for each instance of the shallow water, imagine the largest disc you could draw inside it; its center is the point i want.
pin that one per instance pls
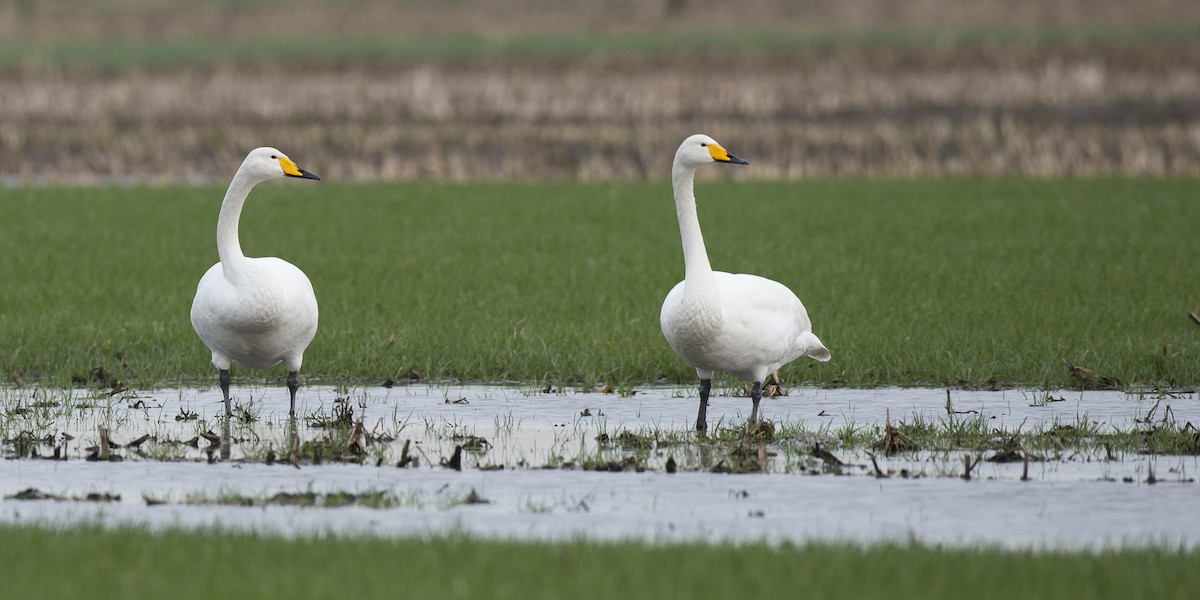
(1073, 500)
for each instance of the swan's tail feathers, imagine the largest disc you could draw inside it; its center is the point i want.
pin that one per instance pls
(815, 349)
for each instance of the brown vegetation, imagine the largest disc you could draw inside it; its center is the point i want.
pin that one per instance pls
(859, 110)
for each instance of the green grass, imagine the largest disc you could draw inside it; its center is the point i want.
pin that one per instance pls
(913, 282)
(182, 51)
(131, 563)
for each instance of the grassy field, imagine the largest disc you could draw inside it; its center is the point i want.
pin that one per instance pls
(124, 563)
(973, 282)
(153, 21)
(123, 53)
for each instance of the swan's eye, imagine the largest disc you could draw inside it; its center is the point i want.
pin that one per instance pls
(703, 145)
(274, 157)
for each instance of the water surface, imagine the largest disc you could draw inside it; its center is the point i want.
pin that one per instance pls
(1080, 500)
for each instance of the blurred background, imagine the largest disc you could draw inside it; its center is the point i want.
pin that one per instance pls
(154, 91)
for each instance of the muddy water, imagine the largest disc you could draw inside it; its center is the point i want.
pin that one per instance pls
(1074, 500)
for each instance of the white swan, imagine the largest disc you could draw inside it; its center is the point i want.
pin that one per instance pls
(744, 325)
(256, 312)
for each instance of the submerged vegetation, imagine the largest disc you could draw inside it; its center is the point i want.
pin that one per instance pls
(963, 283)
(417, 430)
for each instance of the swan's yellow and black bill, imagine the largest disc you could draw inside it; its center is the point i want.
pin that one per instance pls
(291, 170)
(719, 154)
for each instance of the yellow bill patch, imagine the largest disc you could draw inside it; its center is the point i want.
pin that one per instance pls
(290, 167)
(718, 153)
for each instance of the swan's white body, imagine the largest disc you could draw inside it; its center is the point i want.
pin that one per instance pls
(269, 316)
(744, 325)
(256, 312)
(753, 327)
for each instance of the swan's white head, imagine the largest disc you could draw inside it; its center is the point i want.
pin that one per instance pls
(700, 150)
(268, 163)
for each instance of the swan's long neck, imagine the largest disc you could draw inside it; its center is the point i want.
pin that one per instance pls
(700, 287)
(228, 246)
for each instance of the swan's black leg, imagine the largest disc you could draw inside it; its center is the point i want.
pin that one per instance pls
(701, 417)
(293, 385)
(223, 377)
(755, 396)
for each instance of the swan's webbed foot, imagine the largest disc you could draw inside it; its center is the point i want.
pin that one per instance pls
(701, 417)
(293, 385)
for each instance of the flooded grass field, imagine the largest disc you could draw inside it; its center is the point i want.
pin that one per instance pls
(1011, 468)
(1076, 279)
